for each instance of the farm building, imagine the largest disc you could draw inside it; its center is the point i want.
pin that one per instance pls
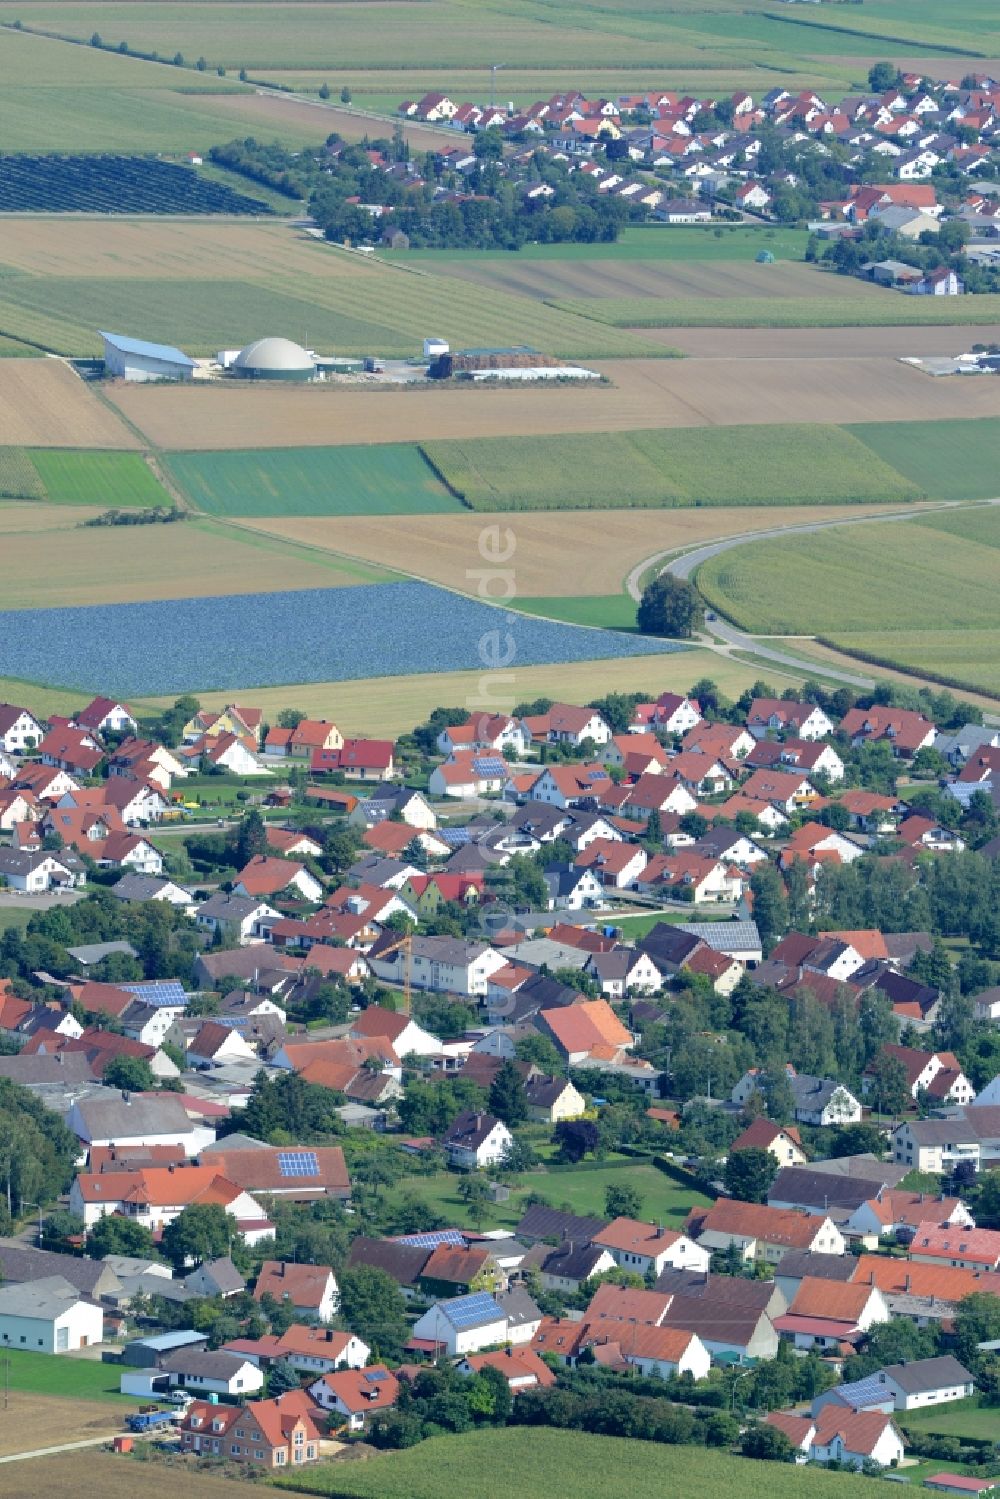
(273, 359)
(135, 359)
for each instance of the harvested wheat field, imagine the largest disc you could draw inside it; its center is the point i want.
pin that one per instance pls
(43, 404)
(32, 516)
(560, 555)
(66, 1475)
(392, 705)
(316, 120)
(230, 249)
(190, 559)
(24, 1416)
(821, 343)
(644, 393)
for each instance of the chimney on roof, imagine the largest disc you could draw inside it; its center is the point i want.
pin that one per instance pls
(329, 1334)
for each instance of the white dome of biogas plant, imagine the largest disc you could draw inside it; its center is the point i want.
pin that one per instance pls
(274, 359)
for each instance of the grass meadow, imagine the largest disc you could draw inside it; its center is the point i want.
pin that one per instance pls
(387, 479)
(777, 465)
(539, 1463)
(43, 1374)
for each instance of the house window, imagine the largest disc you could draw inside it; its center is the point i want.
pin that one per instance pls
(279, 1457)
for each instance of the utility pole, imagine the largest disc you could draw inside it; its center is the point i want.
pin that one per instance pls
(494, 68)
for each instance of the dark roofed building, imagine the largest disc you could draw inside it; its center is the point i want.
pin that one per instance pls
(543, 1222)
(403, 1262)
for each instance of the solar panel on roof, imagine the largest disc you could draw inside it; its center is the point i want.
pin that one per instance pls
(489, 765)
(455, 837)
(433, 1238)
(376, 1376)
(298, 1163)
(467, 1311)
(163, 992)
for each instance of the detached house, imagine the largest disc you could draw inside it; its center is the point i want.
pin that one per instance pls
(649, 1248)
(265, 876)
(474, 1141)
(310, 1290)
(269, 1434)
(759, 1232)
(106, 716)
(768, 715)
(356, 1394)
(20, 731)
(566, 724)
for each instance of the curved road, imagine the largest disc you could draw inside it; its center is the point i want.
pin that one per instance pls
(720, 634)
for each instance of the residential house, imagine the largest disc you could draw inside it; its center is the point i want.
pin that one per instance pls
(475, 1140)
(521, 1367)
(852, 1438)
(926, 1381)
(783, 1143)
(780, 716)
(759, 1232)
(33, 872)
(269, 1434)
(466, 1324)
(265, 876)
(961, 1248)
(936, 1075)
(564, 723)
(310, 1290)
(571, 1264)
(649, 1248)
(582, 1031)
(551, 1099)
(356, 1394)
(825, 1315)
(20, 731)
(244, 917)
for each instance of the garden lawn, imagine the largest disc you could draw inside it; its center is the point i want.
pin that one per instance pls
(118, 481)
(379, 479)
(636, 927)
(950, 460)
(529, 1462)
(46, 1374)
(643, 242)
(962, 1418)
(801, 464)
(577, 1189)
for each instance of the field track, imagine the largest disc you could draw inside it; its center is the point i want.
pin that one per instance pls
(43, 404)
(644, 393)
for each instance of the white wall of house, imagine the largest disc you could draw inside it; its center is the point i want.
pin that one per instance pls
(79, 1326)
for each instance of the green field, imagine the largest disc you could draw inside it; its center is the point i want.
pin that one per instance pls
(118, 481)
(804, 464)
(860, 311)
(380, 479)
(610, 611)
(958, 460)
(45, 1374)
(919, 594)
(541, 1463)
(370, 309)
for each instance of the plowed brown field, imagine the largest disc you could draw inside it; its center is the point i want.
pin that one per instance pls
(644, 393)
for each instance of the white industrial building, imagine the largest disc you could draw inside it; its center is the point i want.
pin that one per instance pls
(48, 1316)
(135, 359)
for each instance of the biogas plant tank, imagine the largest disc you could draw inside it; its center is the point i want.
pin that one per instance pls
(273, 359)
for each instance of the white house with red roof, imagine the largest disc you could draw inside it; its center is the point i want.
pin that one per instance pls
(356, 1394)
(20, 731)
(266, 876)
(405, 1036)
(770, 715)
(104, 715)
(650, 1248)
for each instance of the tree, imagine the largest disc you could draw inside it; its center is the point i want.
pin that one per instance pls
(281, 1378)
(977, 1320)
(290, 718)
(882, 76)
(541, 1051)
(507, 1096)
(131, 1074)
(749, 1174)
(475, 1194)
(203, 1231)
(670, 606)
(373, 1307)
(855, 1139)
(252, 837)
(324, 91)
(345, 95)
(576, 1138)
(770, 905)
(114, 1234)
(889, 1085)
(622, 1202)
(767, 1443)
